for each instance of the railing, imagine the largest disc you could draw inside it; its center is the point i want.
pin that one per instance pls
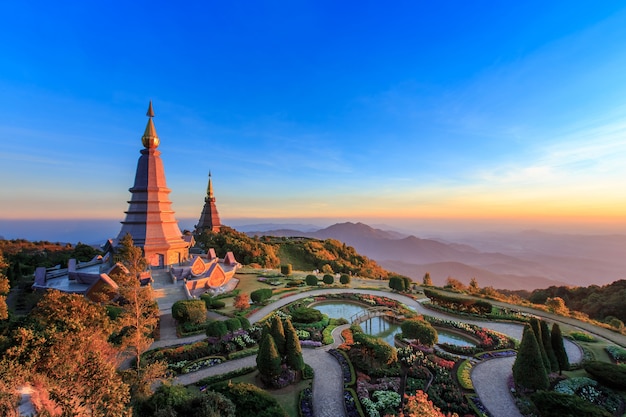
(374, 312)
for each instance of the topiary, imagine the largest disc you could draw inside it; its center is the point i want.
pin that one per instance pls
(233, 324)
(216, 328)
(419, 330)
(311, 280)
(306, 315)
(328, 279)
(344, 279)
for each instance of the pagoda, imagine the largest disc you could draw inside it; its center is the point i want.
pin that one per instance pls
(209, 219)
(150, 219)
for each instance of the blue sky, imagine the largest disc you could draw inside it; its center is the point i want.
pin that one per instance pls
(404, 111)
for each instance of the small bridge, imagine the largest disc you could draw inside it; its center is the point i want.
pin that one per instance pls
(370, 313)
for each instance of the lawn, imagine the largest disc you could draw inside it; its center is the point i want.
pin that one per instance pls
(287, 397)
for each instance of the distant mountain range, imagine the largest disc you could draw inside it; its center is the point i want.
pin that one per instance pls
(526, 260)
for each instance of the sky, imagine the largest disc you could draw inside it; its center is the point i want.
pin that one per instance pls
(414, 113)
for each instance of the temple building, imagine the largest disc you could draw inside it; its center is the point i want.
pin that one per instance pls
(209, 219)
(150, 219)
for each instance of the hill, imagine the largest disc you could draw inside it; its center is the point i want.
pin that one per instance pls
(526, 260)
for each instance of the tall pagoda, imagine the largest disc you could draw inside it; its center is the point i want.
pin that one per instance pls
(150, 219)
(209, 219)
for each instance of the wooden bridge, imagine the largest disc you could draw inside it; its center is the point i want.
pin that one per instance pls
(372, 312)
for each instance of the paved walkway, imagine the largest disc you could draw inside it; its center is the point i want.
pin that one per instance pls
(489, 377)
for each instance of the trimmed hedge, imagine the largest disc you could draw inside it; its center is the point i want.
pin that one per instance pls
(306, 315)
(608, 374)
(258, 296)
(328, 279)
(189, 311)
(216, 328)
(250, 400)
(311, 280)
(419, 330)
(554, 404)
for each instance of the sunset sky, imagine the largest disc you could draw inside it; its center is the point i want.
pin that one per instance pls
(414, 112)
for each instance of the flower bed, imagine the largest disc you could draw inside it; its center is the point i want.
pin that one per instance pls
(306, 403)
(201, 364)
(477, 405)
(353, 407)
(346, 367)
(617, 354)
(489, 340)
(496, 354)
(310, 344)
(463, 375)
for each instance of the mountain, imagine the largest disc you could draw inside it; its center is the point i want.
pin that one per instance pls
(527, 260)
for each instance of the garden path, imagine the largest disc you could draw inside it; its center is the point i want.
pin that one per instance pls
(490, 379)
(328, 399)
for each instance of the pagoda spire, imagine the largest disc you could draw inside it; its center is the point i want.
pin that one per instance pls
(150, 138)
(209, 218)
(209, 190)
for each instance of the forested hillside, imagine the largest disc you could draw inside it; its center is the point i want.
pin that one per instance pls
(602, 303)
(302, 253)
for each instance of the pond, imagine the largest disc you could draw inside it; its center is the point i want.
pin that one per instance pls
(378, 326)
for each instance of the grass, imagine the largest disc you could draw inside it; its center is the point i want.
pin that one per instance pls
(287, 397)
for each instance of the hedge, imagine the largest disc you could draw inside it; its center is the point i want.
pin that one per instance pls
(193, 311)
(609, 374)
(554, 404)
(258, 296)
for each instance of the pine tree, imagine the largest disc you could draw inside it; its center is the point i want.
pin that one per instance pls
(268, 359)
(293, 349)
(547, 345)
(528, 370)
(427, 280)
(534, 323)
(559, 350)
(278, 333)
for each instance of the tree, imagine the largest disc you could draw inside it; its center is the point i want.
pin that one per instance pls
(529, 370)
(327, 269)
(473, 286)
(557, 306)
(427, 280)
(285, 269)
(268, 360)
(278, 334)
(293, 349)
(396, 283)
(131, 256)
(139, 318)
(547, 344)
(4, 289)
(345, 280)
(328, 279)
(454, 284)
(534, 324)
(556, 340)
(241, 302)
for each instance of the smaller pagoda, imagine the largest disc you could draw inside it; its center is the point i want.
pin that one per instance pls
(209, 219)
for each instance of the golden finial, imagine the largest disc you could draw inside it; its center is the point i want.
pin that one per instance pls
(150, 138)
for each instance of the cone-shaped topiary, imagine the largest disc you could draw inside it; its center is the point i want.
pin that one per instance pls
(528, 370)
(278, 333)
(547, 345)
(294, 358)
(268, 360)
(559, 350)
(534, 323)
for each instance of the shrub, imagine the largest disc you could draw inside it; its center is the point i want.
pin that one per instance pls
(295, 283)
(285, 269)
(582, 337)
(328, 279)
(233, 324)
(608, 374)
(397, 283)
(193, 311)
(554, 404)
(344, 279)
(529, 370)
(261, 295)
(245, 323)
(217, 304)
(420, 330)
(306, 315)
(216, 328)
(618, 354)
(250, 400)
(311, 280)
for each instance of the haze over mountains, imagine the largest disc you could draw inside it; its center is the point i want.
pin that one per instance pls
(525, 260)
